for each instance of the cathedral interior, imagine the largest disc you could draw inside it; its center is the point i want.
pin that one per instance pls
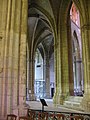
(44, 53)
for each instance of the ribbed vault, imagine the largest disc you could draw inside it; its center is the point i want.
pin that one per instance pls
(40, 19)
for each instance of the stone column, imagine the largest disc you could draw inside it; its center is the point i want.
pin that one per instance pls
(8, 78)
(78, 75)
(3, 9)
(2, 30)
(22, 57)
(28, 72)
(57, 66)
(70, 59)
(61, 66)
(15, 48)
(64, 66)
(10, 55)
(86, 61)
(31, 79)
(58, 88)
(47, 75)
(5, 61)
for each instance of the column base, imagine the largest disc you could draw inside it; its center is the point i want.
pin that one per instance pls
(86, 103)
(59, 98)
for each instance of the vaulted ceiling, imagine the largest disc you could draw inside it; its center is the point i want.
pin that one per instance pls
(40, 31)
(43, 18)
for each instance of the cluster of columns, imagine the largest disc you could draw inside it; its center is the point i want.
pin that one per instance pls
(64, 84)
(13, 35)
(85, 29)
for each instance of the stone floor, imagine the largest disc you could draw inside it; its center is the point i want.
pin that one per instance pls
(51, 107)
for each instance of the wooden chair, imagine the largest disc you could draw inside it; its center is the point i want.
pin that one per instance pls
(42, 116)
(24, 118)
(51, 116)
(11, 117)
(76, 117)
(32, 115)
(59, 116)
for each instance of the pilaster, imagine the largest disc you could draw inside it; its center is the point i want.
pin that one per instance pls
(13, 35)
(22, 56)
(62, 68)
(85, 29)
(31, 79)
(47, 75)
(6, 76)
